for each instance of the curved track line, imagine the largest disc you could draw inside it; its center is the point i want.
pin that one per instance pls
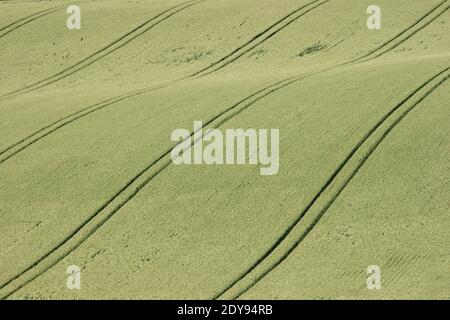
(441, 77)
(80, 65)
(133, 186)
(375, 55)
(41, 133)
(25, 20)
(402, 33)
(260, 38)
(258, 96)
(110, 48)
(47, 130)
(369, 56)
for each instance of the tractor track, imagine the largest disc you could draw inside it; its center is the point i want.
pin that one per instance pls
(107, 210)
(260, 38)
(25, 20)
(45, 131)
(409, 32)
(110, 48)
(125, 194)
(103, 52)
(292, 244)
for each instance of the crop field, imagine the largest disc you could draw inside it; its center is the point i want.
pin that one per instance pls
(355, 204)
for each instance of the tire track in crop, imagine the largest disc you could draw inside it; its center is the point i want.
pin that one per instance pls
(406, 34)
(288, 240)
(261, 37)
(126, 193)
(25, 20)
(108, 209)
(110, 48)
(45, 131)
(373, 54)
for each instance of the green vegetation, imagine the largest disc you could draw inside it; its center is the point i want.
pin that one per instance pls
(87, 179)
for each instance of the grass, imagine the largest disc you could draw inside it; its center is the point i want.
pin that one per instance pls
(87, 180)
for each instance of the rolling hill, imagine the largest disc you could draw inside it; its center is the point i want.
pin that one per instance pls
(87, 177)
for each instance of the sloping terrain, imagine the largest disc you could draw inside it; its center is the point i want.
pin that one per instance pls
(87, 179)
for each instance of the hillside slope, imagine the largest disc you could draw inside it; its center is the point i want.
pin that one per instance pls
(85, 146)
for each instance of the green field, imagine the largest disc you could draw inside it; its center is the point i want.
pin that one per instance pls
(87, 179)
